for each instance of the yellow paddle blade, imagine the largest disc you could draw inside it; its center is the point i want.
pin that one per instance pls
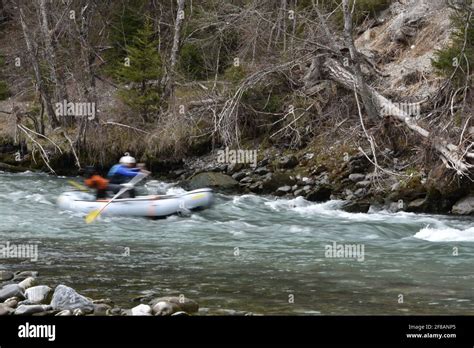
(92, 216)
(78, 186)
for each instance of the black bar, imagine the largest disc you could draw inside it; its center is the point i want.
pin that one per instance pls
(346, 330)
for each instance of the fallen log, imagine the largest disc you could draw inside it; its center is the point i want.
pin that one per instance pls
(452, 155)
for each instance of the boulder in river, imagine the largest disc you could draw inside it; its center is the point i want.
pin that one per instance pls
(186, 304)
(356, 207)
(27, 283)
(165, 308)
(31, 309)
(6, 275)
(5, 310)
(320, 193)
(22, 275)
(141, 310)
(38, 294)
(65, 297)
(218, 181)
(464, 206)
(11, 290)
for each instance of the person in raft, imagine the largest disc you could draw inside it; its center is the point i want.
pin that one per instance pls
(95, 181)
(124, 171)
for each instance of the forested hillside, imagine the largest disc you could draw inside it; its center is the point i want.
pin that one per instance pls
(386, 85)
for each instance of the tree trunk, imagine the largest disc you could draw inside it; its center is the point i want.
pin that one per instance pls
(46, 100)
(175, 47)
(364, 93)
(59, 89)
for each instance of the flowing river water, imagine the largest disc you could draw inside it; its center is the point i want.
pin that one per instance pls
(246, 254)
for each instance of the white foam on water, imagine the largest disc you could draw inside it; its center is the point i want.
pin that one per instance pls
(39, 198)
(333, 209)
(447, 234)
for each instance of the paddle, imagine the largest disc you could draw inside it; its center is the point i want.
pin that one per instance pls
(78, 186)
(95, 213)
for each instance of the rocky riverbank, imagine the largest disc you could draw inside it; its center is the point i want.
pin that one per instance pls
(315, 174)
(21, 293)
(351, 178)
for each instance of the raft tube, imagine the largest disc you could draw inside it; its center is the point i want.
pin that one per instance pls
(148, 206)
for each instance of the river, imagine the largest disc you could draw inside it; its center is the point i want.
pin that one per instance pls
(246, 254)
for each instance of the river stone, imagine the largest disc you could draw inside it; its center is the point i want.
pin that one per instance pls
(78, 312)
(287, 162)
(27, 283)
(142, 309)
(30, 309)
(464, 206)
(356, 177)
(213, 180)
(6, 275)
(239, 175)
(65, 297)
(272, 182)
(319, 194)
(234, 167)
(5, 310)
(11, 290)
(11, 302)
(281, 191)
(22, 275)
(363, 183)
(356, 207)
(38, 294)
(101, 309)
(180, 314)
(64, 313)
(186, 304)
(165, 308)
(261, 171)
(246, 180)
(256, 187)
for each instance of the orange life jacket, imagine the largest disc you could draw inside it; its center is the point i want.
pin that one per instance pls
(97, 182)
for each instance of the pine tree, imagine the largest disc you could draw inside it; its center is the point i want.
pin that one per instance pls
(142, 70)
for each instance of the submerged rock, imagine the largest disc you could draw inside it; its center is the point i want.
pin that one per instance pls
(22, 275)
(184, 303)
(6, 275)
(65, 297)
(464, 206)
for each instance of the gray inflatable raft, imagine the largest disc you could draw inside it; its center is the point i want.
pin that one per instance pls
(148, 206)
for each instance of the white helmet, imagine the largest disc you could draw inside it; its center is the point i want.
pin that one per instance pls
(127, 159)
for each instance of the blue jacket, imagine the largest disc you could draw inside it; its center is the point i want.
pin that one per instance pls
(120, 174)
